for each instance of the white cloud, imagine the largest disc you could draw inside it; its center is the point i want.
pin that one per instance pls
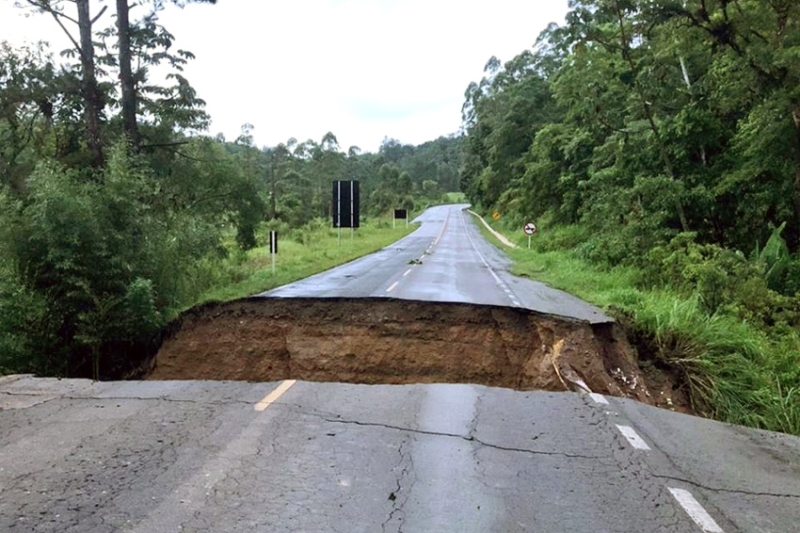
(361, 69)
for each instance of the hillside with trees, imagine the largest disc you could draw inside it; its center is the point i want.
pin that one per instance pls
(659, 142)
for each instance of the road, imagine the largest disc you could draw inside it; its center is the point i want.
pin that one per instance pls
(446, 260)
(141, 457)
(215, 457)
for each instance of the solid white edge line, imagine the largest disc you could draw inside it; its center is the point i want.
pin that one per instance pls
(695, 510)
(273, 396)
(392, 286)
(598, 398)
(633, 437)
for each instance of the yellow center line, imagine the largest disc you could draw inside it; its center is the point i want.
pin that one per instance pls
(273, 396)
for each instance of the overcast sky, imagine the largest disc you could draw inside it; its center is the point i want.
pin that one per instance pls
(362, 69)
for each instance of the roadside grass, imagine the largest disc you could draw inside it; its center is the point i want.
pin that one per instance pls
(301, 253)
(734, 371)
(456, 197)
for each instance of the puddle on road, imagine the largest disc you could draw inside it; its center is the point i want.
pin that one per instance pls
(397, 341)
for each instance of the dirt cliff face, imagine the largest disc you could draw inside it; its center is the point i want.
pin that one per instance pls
(398, 341)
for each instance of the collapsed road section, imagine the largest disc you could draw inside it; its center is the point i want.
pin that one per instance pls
(397, 341)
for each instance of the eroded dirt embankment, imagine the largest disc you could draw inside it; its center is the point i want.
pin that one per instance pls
(397, 341)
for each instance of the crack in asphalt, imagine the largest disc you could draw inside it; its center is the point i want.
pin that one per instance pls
(462, 437)
(397, 505)
(720, 489)
(51, 397)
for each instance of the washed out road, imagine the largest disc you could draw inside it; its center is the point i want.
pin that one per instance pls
(200, 456)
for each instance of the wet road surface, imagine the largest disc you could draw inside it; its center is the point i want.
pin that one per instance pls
(445, 260)
(216, 457)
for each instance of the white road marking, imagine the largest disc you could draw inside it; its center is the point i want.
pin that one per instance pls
(407, 272)
(598, 398)
(633, 437)
(392, 286)
(695, 511)
(273, 396)
(516, 303)
(444, 227)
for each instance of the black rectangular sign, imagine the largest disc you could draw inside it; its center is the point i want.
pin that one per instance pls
(345, 204)
(400, 214)
(273, 242)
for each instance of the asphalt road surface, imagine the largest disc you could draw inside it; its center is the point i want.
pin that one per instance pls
(142, 457)
(446, 260)
(217, 457)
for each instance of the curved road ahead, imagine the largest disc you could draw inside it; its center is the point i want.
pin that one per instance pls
(215, 457)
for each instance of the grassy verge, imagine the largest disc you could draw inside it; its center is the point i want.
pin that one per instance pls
(733, 370)
(456, 197)
(302, 253)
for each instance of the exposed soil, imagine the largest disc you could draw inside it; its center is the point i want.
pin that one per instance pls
(399, 341)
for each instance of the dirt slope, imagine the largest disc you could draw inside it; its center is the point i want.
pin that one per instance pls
(398, 341)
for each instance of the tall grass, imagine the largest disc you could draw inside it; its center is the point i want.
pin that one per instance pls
(733, 370)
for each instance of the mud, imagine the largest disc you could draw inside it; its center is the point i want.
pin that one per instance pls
(398, 341)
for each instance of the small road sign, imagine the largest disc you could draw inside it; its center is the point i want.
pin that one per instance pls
(496, 216)
(530, 228)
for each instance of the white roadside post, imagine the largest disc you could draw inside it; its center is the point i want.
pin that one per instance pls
(529, 229)
(273, 247)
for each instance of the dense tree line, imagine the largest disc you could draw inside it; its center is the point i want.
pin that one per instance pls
(645, 119)
(115, 208)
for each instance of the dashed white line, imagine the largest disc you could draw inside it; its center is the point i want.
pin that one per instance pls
(273, 396)
(598, 398)
(407, 272)
(695, 511)
(633, 437)
(392, 286)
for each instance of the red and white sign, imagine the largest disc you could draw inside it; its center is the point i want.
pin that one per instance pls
(530, 228)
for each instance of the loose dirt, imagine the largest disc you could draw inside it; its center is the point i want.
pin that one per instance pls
(398, 341)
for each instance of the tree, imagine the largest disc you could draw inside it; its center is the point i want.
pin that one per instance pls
(128, 79)
(92, 96)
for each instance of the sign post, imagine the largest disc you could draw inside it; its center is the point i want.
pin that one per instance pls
(529, 229)
(273, 247)
(400, 214)
(345, 206)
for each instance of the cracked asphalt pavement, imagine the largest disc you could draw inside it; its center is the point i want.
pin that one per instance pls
(179, 456)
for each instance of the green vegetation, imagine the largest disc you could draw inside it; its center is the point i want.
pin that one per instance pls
(309, 250)
(456, 197)
(657, 146)
(116, 213)
(736, 370)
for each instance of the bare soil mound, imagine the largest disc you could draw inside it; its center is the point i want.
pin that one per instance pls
(398, 341)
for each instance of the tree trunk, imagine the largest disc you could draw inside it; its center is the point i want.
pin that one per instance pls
(93, 99)
(129, 124)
